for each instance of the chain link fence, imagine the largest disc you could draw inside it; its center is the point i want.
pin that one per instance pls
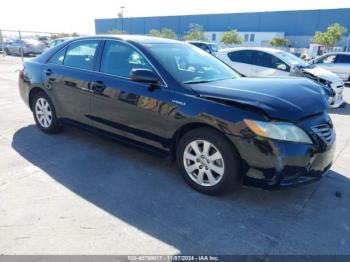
(11, 41)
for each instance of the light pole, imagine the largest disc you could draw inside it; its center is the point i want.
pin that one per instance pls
(121, 15)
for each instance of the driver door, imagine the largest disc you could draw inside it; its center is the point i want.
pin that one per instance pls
(125, 107)
(268, 65)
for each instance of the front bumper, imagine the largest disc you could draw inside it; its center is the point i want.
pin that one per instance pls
(338, 99)
(276, 164)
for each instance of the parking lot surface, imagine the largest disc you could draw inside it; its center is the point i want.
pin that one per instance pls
(76, 193)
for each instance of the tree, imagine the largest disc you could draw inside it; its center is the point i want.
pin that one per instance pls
(117, 32)
(278, 41)
(165, 33)
(231, 37)
(168, 33)
(331, 36)
(55, 36)
(154, 32)
(195, 32)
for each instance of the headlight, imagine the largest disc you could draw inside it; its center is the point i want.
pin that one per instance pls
(278, 130)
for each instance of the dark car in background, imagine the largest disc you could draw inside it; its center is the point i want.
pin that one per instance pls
(176, 100)
(43, 39)
(211, 48)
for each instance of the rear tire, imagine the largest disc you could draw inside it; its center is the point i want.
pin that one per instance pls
(208, 161)
(45, 114)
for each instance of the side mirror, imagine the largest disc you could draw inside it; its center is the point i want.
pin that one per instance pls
(282, 67)
(144, 76)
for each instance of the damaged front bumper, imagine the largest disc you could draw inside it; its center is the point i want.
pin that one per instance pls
(338, 99)
(276, 164)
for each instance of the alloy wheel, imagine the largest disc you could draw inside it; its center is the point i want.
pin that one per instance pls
(43, 112)
(203, 163)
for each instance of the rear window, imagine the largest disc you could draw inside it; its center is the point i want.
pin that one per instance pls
(242, 57)
(81, 54)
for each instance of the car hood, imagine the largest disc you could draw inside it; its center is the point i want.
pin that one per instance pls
(323, 74)
(288, 99)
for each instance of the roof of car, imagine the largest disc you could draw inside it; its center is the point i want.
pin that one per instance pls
(265, 49)
(134, 38)
(200, 42)
(337, 53)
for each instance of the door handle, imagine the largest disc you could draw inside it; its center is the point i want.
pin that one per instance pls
(98, 87)
(48, 72)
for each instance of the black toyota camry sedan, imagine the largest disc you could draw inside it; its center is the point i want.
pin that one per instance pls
(176, 100)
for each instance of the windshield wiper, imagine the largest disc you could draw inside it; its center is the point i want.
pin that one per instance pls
(205, 81)
(198, 82)
(306, 66)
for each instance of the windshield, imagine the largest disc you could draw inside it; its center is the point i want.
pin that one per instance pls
(189, 64)
(292, 59)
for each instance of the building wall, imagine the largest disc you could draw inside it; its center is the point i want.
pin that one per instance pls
(297, 26)
(251, 39)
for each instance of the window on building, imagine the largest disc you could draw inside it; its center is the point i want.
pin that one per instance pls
(81, 54)
(252, 37)
(213, 37)
(246, 37)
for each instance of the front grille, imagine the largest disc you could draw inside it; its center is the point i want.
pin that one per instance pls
(325, 132)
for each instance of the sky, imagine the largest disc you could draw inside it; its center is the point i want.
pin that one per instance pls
(78, 15)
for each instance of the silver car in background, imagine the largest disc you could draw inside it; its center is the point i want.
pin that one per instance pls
(59, 41)
(25, 47)
(338, 63)
(270, 62)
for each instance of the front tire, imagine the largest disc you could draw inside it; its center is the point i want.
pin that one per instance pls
(45, 114)
(208, 161)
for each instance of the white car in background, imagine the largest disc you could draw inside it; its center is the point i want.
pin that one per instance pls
(269, 62)
(338, 63)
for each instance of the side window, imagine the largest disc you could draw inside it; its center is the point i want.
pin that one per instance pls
(342, 59)
(81, 54)
(270, 61)
(119, 59)
(58, 58)
(242, 57)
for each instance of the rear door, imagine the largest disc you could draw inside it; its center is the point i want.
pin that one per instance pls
(268, 65)
(68, 75)
(242, 61)
(124, 107)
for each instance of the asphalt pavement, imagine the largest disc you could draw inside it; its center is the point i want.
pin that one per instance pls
(77, 193)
